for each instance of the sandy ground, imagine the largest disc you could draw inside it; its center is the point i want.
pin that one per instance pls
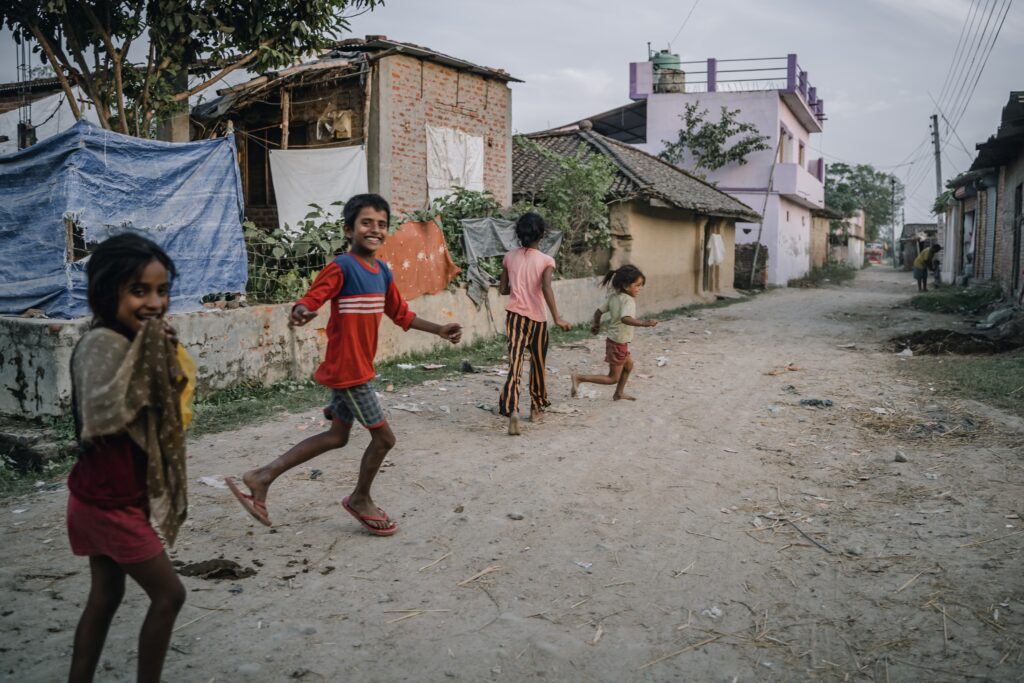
(651, 545)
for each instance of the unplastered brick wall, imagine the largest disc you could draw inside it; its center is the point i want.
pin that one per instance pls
(418, 93)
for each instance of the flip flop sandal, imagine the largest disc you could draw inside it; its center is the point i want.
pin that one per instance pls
(256, 508)
(365, 520)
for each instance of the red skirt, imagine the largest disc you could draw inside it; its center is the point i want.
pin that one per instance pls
(123, 534)
(615, 354)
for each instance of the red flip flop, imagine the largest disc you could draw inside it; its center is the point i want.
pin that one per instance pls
(364, 520)
(256, 508)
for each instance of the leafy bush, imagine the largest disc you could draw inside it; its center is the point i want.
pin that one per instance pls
(283, 263)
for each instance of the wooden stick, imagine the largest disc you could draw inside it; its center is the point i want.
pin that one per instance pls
(428, 566)
(694, 533)
(481, 573)
(679, 652)
(793, 524)
(620, 583)
(912, 580)
(941, 671)
(989, 540)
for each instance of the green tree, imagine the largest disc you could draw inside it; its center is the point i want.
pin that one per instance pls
(703, 146)
(88, 42)
(862, 186)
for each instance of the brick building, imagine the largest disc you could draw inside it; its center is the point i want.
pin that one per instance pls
(985, 217)
(374, 92)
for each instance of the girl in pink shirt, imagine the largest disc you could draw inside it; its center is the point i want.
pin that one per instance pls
(526, 278)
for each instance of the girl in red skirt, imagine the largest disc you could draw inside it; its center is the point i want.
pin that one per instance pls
(620, 306)
(127, 384)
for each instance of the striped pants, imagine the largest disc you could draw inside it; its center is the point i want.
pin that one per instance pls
(525, 335)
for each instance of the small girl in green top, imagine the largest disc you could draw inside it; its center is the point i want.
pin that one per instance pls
(620, 306)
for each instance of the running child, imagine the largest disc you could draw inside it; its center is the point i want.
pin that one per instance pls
(526, 277)
(127, 383)
(620, 306)
(360, 288)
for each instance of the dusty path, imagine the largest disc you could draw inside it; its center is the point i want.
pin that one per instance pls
(651, 546)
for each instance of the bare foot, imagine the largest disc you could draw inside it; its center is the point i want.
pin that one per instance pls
(513, 425)
(536, 415)
(575, 385)
(623, 397)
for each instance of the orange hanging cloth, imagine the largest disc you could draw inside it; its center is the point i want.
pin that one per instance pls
(418, 256)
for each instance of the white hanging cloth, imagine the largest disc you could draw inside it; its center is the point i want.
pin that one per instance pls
(315, 176)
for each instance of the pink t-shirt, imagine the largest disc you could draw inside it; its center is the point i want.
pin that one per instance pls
(525, 272)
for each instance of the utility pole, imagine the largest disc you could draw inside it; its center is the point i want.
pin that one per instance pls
(892, 215)
(940, 219)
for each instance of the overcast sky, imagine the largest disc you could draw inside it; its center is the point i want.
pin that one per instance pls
(873, 61)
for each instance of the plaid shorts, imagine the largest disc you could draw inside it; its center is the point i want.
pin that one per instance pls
(356, 403)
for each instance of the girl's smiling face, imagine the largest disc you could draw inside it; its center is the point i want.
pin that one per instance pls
(146, 296)
(633, 288)
(369, 232)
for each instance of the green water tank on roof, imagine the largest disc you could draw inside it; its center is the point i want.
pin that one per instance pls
(665, 60)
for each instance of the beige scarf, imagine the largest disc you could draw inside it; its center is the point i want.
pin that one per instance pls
(134, 388)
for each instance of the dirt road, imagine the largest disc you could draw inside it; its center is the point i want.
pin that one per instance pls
(714, 530)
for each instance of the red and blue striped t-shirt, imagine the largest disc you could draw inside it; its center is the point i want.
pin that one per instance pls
(359, 294)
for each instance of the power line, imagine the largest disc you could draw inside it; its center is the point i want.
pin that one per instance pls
(949, 127)
(959, 45)
(984, 63)
(956, 84)
(971, 77)
(683, 25)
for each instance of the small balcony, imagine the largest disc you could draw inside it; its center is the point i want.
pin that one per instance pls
(796, 183)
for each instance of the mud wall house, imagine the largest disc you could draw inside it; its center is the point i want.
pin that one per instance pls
(984, 219)
(775, 95)
(387, 97)
(821, 229)
(662, 219)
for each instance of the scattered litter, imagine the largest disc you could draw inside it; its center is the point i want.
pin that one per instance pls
(662, 361)
(19, 511)
(408, 407)
(774, 410)
(217, 569)
(816, 402)
(644, 376)
(790, 389)
(406, 366)
(879, 411)
(235, 589)
(906, 353)
(588, 393)
(847, 346)
(900, 456)
(466, 366)
(707, 332)
(214, 482)
(315, 474)
(562, 410)
(585, 566)
(931, 475)
(445, 409)
(729, 450)
(389, 388)
(459, 509)
(515, 515)
(432, 366)
(712, 612)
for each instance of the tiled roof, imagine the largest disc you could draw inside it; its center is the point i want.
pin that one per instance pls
(637, 174)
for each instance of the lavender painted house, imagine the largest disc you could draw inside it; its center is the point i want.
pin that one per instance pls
(774, 94)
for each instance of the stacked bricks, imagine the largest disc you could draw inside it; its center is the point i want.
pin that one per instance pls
(744, 263)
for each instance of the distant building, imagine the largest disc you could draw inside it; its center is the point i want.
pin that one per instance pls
(914, 238)
(775, 95)
(671, 225)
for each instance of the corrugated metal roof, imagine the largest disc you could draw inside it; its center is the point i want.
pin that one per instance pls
(637, 174)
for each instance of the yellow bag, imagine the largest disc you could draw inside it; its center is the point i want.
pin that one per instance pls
(188, 366)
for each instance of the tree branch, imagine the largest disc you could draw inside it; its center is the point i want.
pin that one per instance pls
(102, 108)
(58, 69)
(223, 72)
(115, 57)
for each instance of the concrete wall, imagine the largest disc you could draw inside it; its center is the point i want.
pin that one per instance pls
(248, 344)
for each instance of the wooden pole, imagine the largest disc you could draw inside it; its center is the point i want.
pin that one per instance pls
(285, 115)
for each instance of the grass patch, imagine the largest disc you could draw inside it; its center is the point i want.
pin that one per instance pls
(828, 274)
(952, 299)
(996, 380)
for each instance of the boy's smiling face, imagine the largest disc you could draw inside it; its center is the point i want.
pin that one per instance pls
(369, 232)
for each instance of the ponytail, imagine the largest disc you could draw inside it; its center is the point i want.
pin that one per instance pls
(622, 277)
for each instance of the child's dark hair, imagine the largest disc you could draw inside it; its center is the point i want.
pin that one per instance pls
(114, 262)
(359, 202)
(529, 228)
(623, 277)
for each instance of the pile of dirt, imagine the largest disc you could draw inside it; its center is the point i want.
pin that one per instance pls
(936, 342)
(216, 569)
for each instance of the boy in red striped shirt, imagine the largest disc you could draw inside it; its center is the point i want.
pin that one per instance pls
(360, 289)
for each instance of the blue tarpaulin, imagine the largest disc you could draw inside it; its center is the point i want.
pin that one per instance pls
(63, 195)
